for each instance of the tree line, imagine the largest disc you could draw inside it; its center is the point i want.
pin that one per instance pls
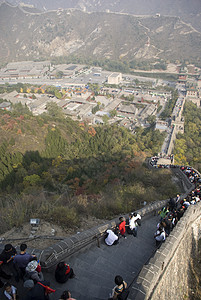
(187, 145)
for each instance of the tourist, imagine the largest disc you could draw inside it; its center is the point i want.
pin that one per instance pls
(35, 292)
(111, 238)
(10, 291)
(128, 227)
(137, 218)
(172, 203)
(33, 271)
(178, 198)
(160, 235)
(122, 227)
(63, 272)
(121, 285)
(164, 212)
(3, 274)
(167, 224)
(132, 229)
(66, 295)
(8, 254)
(21, 260)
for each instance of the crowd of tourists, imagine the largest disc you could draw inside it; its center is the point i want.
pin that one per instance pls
(170, 214)
(175, 208)
(126, 226)
(26, 268)
(192, 175)
(154, 161)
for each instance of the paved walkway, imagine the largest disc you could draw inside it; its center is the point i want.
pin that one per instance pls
(96, 267)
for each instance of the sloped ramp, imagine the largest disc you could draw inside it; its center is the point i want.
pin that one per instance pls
(96, 267)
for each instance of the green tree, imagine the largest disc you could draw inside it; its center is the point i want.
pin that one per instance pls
(19, 109)
(95, 109)
(32, 180)
(55, 111)
(105, 119)
(59, 74)
(151, 120)
(113, 113)
(12, 141)
(58, 94)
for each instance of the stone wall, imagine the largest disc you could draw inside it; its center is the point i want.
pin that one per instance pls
(166, 274)
(50, 256)
(67, 247)
(171, 143)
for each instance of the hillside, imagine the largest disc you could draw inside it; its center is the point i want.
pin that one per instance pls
(62, 170)
(95, 35)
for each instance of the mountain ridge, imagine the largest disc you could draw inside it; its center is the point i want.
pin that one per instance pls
(98, 35)
(171, 7)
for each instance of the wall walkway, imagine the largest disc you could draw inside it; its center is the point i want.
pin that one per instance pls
(96, 264)
(166, 274)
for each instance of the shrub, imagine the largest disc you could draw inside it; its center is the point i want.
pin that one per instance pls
(64, 216)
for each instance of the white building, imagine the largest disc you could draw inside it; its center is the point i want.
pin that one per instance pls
(115, 78)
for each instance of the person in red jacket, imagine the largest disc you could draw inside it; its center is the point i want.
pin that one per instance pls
(63, 272)
(122, 227)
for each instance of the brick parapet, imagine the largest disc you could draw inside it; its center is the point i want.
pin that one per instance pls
(73, 244)
(170, 262)
(51, 255)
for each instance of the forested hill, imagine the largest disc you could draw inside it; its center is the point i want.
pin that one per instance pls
(188, 145)
(61, 170)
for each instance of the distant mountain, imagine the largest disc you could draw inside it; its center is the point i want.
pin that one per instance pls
(142, 7)
(189, 10)
(32, 35)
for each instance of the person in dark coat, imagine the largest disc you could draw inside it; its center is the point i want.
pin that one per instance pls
(37, 291)
(172, 203)
(3, 274)
(8, 254)
(21, 260)
(63, 272)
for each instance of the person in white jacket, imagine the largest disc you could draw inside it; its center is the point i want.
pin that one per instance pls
(112, 238)
(134, 221)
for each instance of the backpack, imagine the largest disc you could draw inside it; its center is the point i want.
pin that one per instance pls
(27, 276)
(138, 222)
(124, 294)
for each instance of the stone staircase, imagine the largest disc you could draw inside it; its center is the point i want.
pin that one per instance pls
(96, 267)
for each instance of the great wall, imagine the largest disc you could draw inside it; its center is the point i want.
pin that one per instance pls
(148, 271)
(151, 273)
